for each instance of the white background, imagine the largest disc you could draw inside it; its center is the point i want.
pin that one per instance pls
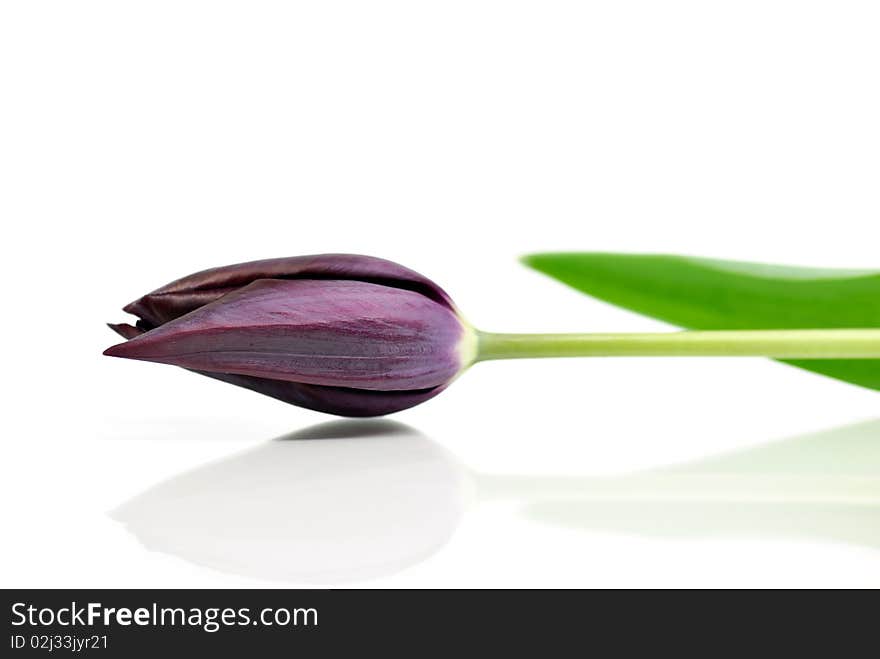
(142, 141)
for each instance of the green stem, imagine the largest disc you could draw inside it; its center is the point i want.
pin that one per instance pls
(781, 344)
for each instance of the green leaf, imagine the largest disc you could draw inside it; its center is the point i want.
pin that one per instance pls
(706, 294)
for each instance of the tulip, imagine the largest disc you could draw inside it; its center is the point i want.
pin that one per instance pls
(361, 336)
(338, 333)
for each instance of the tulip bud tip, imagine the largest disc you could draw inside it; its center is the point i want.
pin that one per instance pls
(114, 351)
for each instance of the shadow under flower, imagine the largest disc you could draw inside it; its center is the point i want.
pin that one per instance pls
(353, 500)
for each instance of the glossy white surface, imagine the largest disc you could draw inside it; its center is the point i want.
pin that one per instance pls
(140, 144)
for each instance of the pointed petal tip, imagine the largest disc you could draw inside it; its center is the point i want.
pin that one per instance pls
(142, 309)
(134, 307)
(129, 349)
(115, 351)
(125, 330)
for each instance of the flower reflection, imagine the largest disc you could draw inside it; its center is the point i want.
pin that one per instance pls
(353, 500)
(342, 501)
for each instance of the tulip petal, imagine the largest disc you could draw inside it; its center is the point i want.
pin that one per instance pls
(188, 293)
(125, 330)
(340, 401)
(323, 332)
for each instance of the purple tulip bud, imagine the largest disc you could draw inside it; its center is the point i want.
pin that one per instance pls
(339, 333)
